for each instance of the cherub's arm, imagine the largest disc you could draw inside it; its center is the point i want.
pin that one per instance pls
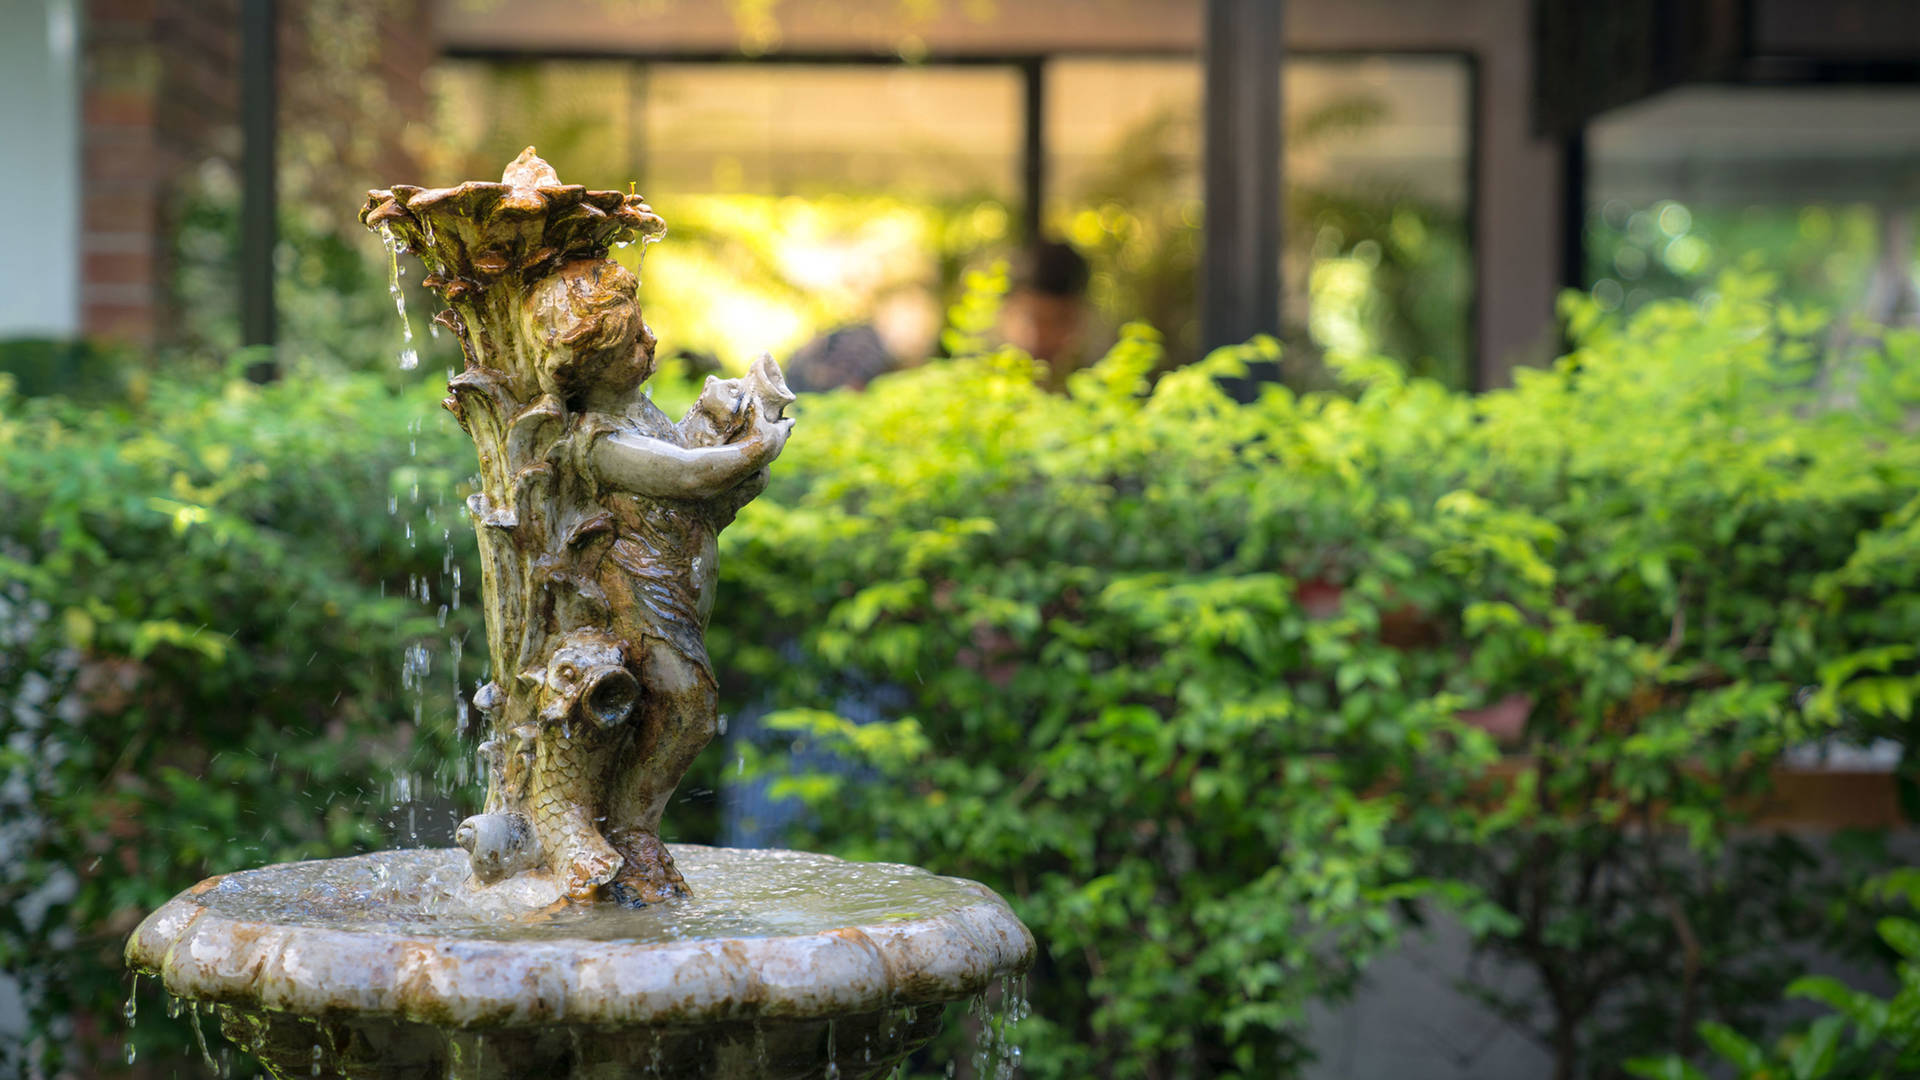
(649, 466)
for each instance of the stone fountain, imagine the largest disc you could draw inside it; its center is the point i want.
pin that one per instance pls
(562, 937)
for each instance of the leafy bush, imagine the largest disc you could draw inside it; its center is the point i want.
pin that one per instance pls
(1197, 685)
(1185, 782)
(206, 600)
(75, 369)
(1206, 689)
(1885, 1031)
(1722, 586)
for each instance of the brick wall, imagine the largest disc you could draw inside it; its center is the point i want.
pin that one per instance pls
(131, 150)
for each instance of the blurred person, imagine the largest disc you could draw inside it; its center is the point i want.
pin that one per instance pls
(1047, 313)
(847, 358)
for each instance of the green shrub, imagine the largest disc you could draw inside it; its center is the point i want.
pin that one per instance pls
(206, 601)
(76, 369)
(1120, 717)
(1186, 680)
(1723, 585)
(1199, 686)
(1859, 1036)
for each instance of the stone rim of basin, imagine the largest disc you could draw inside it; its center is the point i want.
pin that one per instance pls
(942, 953)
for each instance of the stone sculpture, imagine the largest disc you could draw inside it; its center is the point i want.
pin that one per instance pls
(597, 519)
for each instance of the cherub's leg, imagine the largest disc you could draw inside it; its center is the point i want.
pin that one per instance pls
(677, 718)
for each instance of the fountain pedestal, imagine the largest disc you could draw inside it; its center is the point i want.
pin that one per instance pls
(390, 966)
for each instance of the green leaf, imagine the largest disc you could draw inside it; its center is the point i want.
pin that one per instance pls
(1667, 1068)
(1813, 1057)
(1732, 1046)
(1903, 935)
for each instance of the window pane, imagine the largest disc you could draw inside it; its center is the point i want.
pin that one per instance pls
(1815, 184)
(582, 115)
(1377, 172)
(798, 197)
(1377, 191)
(922, 133)
(1123, 166)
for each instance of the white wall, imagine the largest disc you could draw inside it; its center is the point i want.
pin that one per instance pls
(40, 168)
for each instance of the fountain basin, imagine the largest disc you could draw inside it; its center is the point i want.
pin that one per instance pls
(393, 965)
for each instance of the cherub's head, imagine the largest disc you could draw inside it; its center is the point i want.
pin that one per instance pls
(587, 320)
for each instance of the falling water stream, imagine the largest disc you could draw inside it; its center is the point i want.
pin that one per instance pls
(409, 359)
(446, 782)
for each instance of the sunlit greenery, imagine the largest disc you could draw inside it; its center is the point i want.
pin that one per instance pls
(741, 274)
(1189, 681)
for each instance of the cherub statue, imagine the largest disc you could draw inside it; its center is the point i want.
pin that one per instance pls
(597, 519)
(671, 488)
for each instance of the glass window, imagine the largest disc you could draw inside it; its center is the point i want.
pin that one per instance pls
(799, 198)
(1377, 176)
(1815, 184)
(1378, 180)
(804, 197)
(1123, 167)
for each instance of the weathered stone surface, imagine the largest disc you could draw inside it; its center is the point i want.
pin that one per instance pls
(401, 936)
(857, 1047)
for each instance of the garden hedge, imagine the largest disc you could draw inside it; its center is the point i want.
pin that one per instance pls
(1208, 690)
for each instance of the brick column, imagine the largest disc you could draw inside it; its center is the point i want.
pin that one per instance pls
(119, 161)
